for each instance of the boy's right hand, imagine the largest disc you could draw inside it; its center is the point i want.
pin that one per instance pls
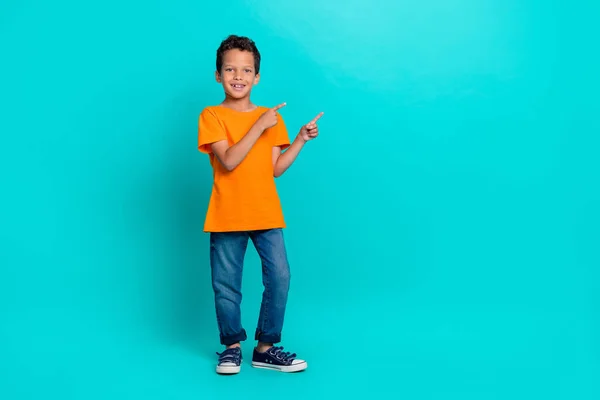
(269, 118)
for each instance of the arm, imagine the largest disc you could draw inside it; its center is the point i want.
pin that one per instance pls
(232, 156)
(281, 162)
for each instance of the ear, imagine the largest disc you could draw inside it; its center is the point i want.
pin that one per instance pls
(217, 76)
(256, 78)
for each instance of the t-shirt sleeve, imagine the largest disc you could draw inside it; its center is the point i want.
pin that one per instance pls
(281, 134)
(210, 130)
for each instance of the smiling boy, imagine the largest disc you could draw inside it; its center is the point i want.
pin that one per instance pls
(248, 147)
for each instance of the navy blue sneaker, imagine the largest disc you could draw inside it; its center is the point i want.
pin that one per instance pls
(275, 358)
(230, 361)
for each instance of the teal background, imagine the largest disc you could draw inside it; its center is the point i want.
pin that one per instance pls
(443, 229)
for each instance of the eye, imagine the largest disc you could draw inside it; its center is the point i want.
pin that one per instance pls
(248, 70)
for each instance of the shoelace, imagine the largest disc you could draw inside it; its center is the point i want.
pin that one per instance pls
(229, 355)
(284, 356)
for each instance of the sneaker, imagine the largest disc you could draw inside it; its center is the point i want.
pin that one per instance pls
(229, 361)
(275, 358)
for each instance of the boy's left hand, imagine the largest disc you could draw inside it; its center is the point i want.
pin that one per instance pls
(310, 130)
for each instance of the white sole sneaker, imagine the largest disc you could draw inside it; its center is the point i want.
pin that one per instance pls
(228, 369)
(295, 367)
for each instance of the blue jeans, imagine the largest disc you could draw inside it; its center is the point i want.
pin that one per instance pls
(227, 251)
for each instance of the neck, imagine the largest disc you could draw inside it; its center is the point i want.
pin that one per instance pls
(238, 104)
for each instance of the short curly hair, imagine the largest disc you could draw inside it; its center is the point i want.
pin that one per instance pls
(241, 43)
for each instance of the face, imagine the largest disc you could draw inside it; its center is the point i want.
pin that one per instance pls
(237, 74)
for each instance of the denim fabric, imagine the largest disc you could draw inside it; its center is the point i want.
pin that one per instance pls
(227, 251)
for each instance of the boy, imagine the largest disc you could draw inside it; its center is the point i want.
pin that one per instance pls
(245, 145)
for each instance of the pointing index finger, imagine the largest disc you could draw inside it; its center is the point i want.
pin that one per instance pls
(279, 106)
(315, 119)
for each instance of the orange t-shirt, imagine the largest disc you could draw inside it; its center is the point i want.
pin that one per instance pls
(246, 198)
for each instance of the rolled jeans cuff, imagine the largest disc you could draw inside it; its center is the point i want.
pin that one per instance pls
(232, 339)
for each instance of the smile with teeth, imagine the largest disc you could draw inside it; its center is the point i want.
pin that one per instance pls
(238, 86)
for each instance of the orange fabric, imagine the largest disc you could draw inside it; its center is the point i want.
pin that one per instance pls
(246, 198)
